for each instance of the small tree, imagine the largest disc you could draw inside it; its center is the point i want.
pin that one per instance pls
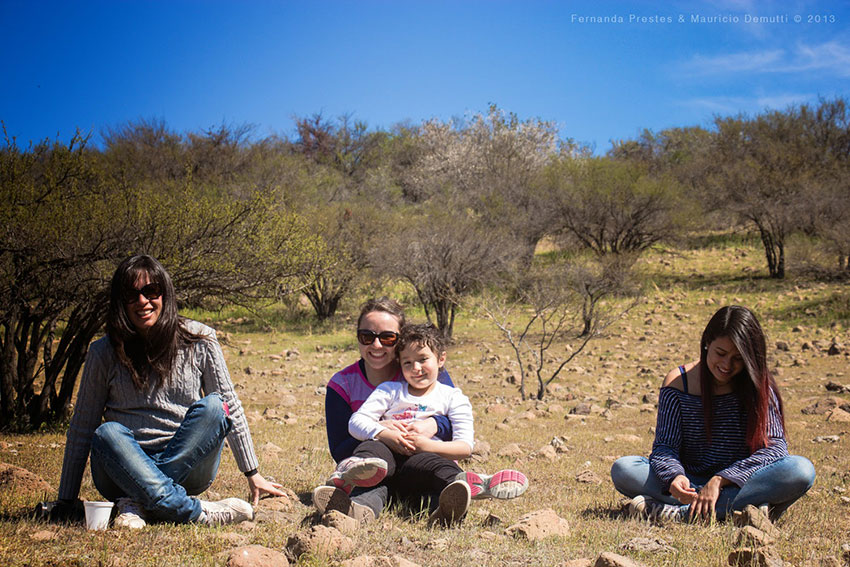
(613, 207)
(445, 257)
(551, 306)
(489, 164)
(71, 215)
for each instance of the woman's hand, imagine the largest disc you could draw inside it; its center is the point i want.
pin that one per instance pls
(392, 424)
(396, 441)
(703, 506)
(257, 485)
(682, 490)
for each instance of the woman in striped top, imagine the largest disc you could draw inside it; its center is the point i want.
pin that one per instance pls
(720, 436)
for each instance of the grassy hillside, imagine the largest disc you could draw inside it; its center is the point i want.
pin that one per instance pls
(280, 368)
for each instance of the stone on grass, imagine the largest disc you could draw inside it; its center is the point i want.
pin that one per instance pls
(753, 537)
(278, 509)
(548, 452)
(581, 409)
(319, 540)
(256, 556)
(838, 415)
(647, 544)
(609, 559)
(756, 557)
(20, 488)
(336, 519)
(378, 561)
(497, 409)
(510, 450)
(826, 439)
(822, 406)
(539, 525)
(752, 516)
(44, 535)
(588, 477)
(482, 450)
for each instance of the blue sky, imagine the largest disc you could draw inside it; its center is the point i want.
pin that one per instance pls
(197, 64)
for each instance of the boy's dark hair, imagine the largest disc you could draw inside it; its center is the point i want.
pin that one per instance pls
(426, 335)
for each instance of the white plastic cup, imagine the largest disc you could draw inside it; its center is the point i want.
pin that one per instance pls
(97, 515)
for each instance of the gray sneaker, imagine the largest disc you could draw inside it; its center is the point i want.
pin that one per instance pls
(327, 498)
(646, 508)
(227, 511)
(130, 515)
(454, 502)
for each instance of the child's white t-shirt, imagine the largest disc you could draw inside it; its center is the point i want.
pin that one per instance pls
(393, 401)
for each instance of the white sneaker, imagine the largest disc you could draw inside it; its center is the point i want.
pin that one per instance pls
(646, 508)
(504, 485)
(227, 511)
(130, 515)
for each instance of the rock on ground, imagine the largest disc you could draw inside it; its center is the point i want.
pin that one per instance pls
(750, 536)
(588, 477)
(256, 556)
(651, 545)
(336, 519)
(609, 559)
(379, 561)
(20, 488)
(510, 450)
(538, 525)
(319, 540)
(760, 557)
(752, 516)
(838, 415)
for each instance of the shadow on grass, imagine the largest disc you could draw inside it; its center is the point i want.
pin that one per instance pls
(821, 312)
(604, 512)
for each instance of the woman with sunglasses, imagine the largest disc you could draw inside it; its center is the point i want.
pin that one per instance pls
(160, 385)
(378, 328)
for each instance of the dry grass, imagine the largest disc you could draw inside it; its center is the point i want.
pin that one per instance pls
(684, 288)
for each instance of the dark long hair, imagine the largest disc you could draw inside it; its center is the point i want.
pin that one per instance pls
(754, 384)
(149, 358)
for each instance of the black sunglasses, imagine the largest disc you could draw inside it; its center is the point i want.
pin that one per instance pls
(367, 337)
(151, 291)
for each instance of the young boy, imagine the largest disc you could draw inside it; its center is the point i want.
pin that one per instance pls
(408, 459)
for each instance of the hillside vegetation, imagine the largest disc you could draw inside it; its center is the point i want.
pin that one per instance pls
(280, 359)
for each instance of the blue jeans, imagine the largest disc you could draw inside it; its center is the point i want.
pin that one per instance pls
(778, 485)
(162, 482)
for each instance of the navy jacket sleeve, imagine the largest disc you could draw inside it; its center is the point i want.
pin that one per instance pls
(337, 414)
(444, 425)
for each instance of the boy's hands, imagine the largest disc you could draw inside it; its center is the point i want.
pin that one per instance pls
(425, 427)
(421, 443)
(397, 440)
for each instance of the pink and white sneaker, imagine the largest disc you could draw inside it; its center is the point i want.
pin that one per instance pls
(504, 485)
(358, 471)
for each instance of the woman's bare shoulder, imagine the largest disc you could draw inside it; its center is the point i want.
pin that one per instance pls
(674, 377)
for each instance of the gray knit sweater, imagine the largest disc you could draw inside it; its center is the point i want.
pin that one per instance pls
(107, 393)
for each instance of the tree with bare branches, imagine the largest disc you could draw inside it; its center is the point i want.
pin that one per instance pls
(549, 315)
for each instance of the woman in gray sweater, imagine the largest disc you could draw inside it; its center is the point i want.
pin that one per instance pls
(154, 407)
